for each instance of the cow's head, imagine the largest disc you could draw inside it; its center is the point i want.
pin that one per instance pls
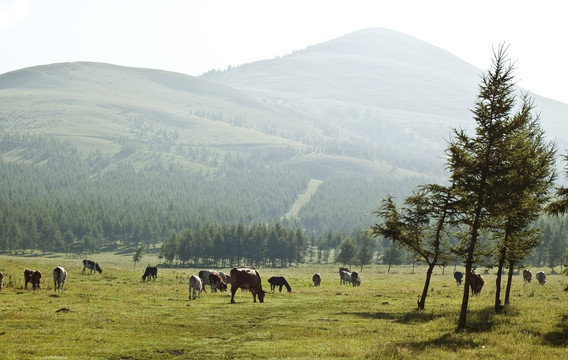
(222, 286)
(261, 295)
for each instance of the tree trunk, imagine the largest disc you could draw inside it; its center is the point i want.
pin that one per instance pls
(426, 286)
(509, 282)
(498, 306)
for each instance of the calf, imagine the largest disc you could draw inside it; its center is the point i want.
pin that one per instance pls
(458, 276)
(248, 279)
(216, 282)
(1, 281)
(316, 279)
(195, 284)
(279, 281)
(151, 272)
(91, 265)
(541, 277)
(527, 275)
(476, 283)
(59, 277)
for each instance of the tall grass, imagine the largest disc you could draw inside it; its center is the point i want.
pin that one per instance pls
(117, 316)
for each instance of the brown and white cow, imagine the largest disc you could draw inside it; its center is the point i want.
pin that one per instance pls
(59, 277)
(216, 282)
(247, 279)
(527, 275)
(476, 283)
(1, 281)
(316, 279)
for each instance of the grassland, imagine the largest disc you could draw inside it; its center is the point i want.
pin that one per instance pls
(117, 316)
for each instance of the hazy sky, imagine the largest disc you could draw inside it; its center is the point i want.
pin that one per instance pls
(193, 37)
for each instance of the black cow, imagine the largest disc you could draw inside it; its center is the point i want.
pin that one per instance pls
(458, 275)
(278, 281)
(151, 272)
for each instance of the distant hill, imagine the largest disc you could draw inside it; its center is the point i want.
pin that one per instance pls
(385, 86)
(314, 138)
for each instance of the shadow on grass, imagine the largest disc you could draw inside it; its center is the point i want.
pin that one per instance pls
(477, 320)
(410, 317)
(560, 336)
(450, 342)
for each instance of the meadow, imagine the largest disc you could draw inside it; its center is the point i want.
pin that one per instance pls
(114, 315)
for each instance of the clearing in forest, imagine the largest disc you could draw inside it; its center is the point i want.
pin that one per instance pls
(303, 199)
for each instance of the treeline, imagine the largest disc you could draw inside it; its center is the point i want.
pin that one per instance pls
(55, 199)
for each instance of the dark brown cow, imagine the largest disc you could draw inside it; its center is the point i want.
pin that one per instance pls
(527, 275)
(476, 283)
(150, 272)
(217, 282)
(27, 277)
(248, 279)
(1, 281)
(34, 277)
(316, 279)
(355, 278)
(36, 280)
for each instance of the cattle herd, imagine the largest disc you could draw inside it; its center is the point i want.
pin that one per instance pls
(246, 278)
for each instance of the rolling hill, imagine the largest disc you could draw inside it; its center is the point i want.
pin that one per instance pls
(315, 138)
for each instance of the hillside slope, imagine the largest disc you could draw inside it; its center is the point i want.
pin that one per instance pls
(361, 116)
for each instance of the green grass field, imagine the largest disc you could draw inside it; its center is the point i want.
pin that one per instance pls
(117, 316)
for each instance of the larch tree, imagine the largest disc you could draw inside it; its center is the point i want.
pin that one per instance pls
(419, 226)
(476, 162)
(528, 175)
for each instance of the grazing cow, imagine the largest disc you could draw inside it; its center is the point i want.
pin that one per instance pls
(59, 277)
(204, 276)
(476, 283)
(275, 281)
(458, 276)
(527, 275)
(223, 276)
(355, 278)
(151, 272)
(1, 281)
(541, 277)
(216, 282)
(316, 279)
(344, 277)
(195, 284)
(91, 265)
(248, 279)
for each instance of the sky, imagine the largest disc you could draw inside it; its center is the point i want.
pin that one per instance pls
(195, 36)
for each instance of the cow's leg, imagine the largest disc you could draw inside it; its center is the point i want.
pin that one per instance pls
(280, 289)
(254, 296)
(233, 291)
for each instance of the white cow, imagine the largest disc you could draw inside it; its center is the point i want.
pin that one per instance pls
(541, 277)
(195, 284)
(59, 277)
